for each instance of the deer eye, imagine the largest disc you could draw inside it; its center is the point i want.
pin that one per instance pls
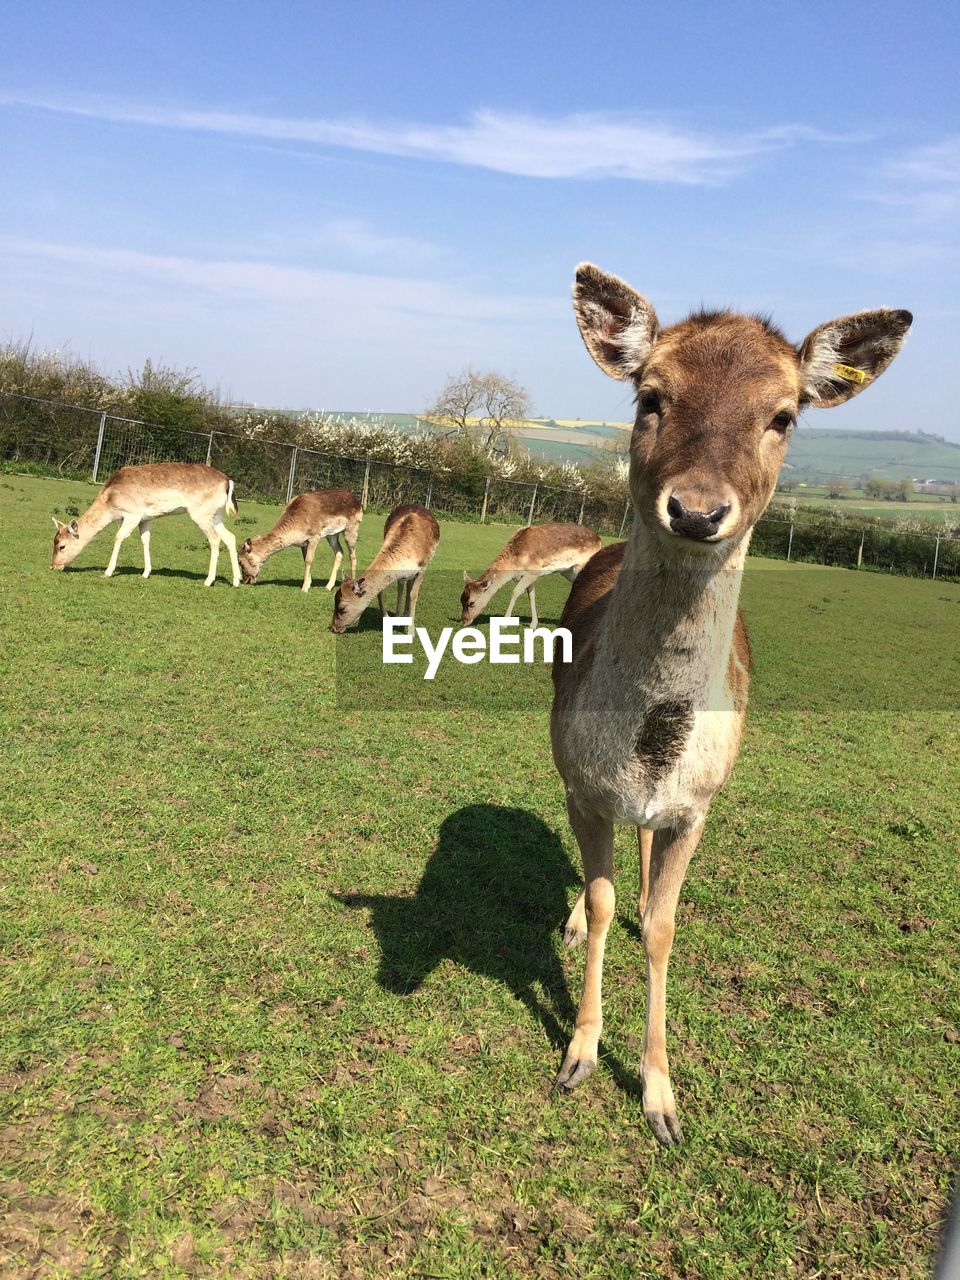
(650, 401)
(783, 421)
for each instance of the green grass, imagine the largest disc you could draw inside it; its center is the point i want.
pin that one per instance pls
(281, 983)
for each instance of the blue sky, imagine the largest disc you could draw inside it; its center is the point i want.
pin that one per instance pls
(338, 206)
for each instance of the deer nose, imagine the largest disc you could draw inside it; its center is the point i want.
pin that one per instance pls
(694, 524)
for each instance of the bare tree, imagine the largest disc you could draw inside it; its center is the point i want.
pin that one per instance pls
(481, 403)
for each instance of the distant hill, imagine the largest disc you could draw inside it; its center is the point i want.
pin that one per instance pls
(816, 454)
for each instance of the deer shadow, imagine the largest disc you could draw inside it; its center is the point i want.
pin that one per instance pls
(493, 898)
(132, 571)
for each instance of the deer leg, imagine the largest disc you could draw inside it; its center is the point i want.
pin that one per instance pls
(381, 601)
(513, 598)
(145, 541)
(531, 590)
(413, 590)
(334, 541)
(669, 856)
(401, 587)
(352, 547)
(595, 838)
(309, 549)
(575, 930)
(645, 843)
(213, 537)
(127, 526)
(230, 543)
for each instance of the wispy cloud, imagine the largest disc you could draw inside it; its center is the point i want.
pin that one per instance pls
(344, 292)
(925, 179)
(572, 146)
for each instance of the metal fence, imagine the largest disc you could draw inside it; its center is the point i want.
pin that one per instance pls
(85, 443)
(852, 546)
(51, 437)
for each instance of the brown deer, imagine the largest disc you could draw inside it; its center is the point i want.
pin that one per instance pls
(138, 495)
(531, 552)
(647, 717)
(411, 536)
(316, 514)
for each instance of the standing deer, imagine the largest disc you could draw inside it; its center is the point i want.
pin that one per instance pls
(531, 552)
(136, 496)
(647, 717)
(316, 514)
(411, 536)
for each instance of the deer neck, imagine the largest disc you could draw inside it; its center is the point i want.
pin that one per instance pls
(96, 517)
(498, 578)
(377, 578)
(267, 544)
(669, 627)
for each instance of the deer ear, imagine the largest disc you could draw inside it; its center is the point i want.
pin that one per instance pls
(75, 528)
(466, 579)
(357, 587)
(618, 325)
(841, 358)
(247, 546)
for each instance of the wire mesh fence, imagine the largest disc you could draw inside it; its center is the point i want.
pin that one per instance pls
(851, 546)
(48, 437)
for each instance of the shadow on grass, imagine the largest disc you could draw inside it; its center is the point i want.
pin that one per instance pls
(493, 898)
(133, 571)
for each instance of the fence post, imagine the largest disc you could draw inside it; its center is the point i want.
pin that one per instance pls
(863, 534)
(486, 495)
(209, 448)
(583, 503)
(623, 522)
(426, 501)
(293, 473)
(936, 555)
(96, 456)
(366, 483)
(533, 503)
(790, 541)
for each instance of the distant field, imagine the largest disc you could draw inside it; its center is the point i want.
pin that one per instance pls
(281, 977)
(920, 508)
(821, 453)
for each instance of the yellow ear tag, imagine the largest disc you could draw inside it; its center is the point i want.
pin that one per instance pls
(848, 373)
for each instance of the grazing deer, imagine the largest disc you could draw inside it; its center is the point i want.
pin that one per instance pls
(531, 552)
(410, 539)
(316, 514)
(136, 496)
(647, 717)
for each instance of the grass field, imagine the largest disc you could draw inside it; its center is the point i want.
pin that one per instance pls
(282, 989)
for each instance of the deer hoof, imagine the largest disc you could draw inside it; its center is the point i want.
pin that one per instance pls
(573, 1072)
(666, 1128)
(573, 937)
